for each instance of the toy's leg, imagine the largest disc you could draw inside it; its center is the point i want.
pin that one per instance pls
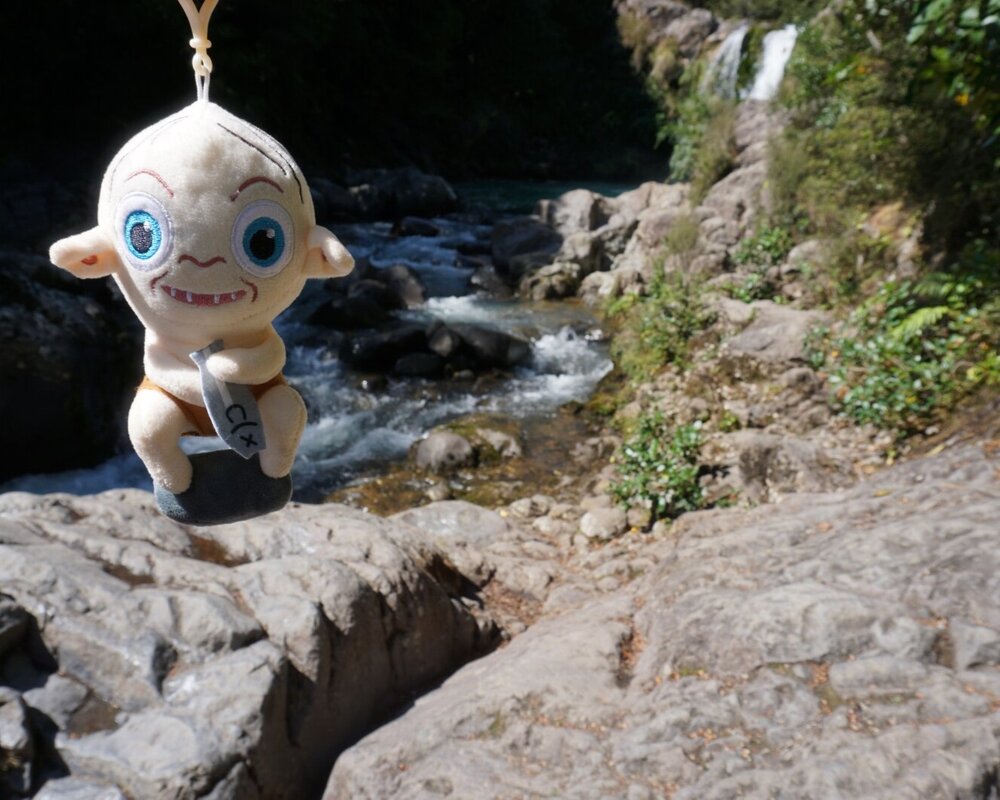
(284, 417)
(155, 426)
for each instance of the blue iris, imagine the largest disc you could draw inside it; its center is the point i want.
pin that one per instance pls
(143, 235)
(264, 241)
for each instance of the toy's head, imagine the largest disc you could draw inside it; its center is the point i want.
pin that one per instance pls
(207, 225)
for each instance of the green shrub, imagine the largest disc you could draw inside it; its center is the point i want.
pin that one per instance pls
(715, 155)
(771, 10)
(655, 329)
(916, 348)
(659, 468)
(894, 100)
(765, 248)
(754, 286)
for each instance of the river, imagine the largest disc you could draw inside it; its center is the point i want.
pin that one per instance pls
(354, 431)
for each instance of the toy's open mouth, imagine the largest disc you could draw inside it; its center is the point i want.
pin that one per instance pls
(196, 299)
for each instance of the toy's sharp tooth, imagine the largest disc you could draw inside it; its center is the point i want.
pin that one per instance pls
(189, 297)
(173, 292)
(233, 295)
(217, 299)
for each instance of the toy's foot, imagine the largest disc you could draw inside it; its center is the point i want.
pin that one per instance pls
(224, 488)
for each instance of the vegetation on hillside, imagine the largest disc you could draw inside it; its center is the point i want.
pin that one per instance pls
(900, 103)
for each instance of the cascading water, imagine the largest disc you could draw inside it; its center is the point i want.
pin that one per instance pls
(352, 430)
(778, 46)
(723, 69)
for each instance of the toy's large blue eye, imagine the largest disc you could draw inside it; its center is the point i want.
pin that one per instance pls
(264, 241)
(144, 231)
(263, 238)
(143, 236)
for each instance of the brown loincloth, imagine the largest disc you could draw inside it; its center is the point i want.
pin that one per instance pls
(198, 415)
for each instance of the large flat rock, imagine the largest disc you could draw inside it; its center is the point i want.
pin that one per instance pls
(159, 661)
(841, 645)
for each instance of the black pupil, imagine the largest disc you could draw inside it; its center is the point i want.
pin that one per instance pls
(262, 244)
(141, 237)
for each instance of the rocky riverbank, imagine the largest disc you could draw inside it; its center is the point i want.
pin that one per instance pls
(844, 643)
(830, 628)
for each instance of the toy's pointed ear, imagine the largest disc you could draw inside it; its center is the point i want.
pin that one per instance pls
(90, 254)
(327, 257)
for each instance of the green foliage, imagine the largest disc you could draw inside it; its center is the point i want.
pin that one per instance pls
(715, 156)
(656, 329)
(681, 240)
(895, 99)
(918, 346)
(960, 41)
(753, 50)
(686, 132)
(778, 11)
(703, 137)
(754, 286)
(659, 468)
(766, 248)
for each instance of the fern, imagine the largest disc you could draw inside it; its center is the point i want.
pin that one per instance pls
(919, 321)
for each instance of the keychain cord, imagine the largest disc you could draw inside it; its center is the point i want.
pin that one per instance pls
(201, 62)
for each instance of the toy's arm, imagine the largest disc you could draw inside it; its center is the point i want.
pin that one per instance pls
(249, 365)
(176, 376)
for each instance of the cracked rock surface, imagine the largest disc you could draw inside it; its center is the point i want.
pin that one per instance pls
(141, 659)
(843, 644)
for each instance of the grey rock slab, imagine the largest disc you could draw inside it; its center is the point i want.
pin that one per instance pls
(604, 523)
(767, 466)
(777, 334)
(13, 624)
(559, 675)
(17, 746)
(805, 649)
(183, 656)
(457, 520)
(58, 698)
(78, 789)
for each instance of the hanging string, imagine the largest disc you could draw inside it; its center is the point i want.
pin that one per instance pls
(201, 62)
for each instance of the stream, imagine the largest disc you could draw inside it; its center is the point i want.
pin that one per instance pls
(354, 431)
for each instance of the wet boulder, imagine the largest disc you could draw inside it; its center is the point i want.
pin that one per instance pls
(415, 226)
(553, 282)
(71, 357)
(336, 203)
(387, 193)
(419, 365)
(575, 211)
(405, 285)
(522, 236)
(344, 314)
(493, 348)
(378, 351)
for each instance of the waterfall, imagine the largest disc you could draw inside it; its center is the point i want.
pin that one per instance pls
(778, 46)
(723, 69)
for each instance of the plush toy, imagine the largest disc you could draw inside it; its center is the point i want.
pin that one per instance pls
(207, 225)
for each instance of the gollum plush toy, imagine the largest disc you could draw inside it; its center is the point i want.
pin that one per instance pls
(207, 226)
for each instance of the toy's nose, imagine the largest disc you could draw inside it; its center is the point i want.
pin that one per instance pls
(202, 264)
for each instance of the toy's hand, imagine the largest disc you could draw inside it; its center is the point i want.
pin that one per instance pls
(248, 365)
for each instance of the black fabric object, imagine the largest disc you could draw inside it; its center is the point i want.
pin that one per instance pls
(224, 488)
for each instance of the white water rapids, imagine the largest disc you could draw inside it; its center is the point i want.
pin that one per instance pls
(350, 430)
